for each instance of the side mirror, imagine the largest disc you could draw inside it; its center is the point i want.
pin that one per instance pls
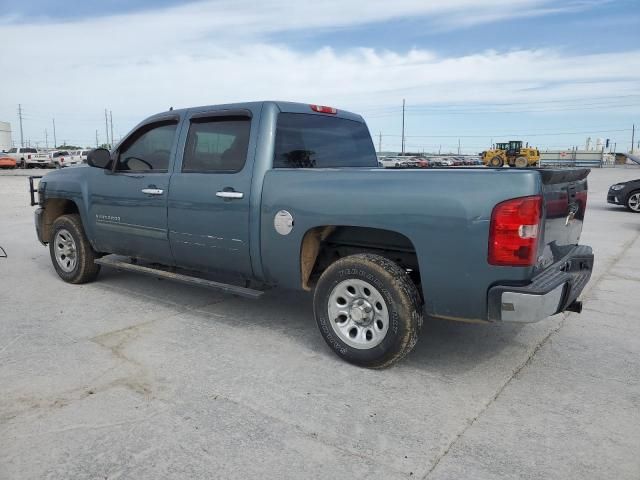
(99, 158)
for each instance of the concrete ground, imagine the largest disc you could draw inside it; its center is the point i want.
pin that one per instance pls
(133, 377)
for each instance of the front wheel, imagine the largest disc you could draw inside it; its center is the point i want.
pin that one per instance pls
(521, 162)
(633, 202)
(368, 310)
(71, 253)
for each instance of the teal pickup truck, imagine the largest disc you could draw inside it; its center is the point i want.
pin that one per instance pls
(290, 195)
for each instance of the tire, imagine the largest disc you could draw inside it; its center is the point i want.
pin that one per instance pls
(521, 162)
(22, 164)
(633, 202)
(68, 237)
(496, 161)
(374, 330)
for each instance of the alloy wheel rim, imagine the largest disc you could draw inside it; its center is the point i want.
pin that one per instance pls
(358, 314)
(634, 202)
(65, 250)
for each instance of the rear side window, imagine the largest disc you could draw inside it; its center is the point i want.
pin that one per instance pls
(29, 150)
(318, 141)
(148, 149)
(217, 144)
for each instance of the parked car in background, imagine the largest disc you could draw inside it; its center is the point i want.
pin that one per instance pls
(6, 161)
(83, 155)
(627, 194)
(393, 162)
(64, 158)
(27, 157)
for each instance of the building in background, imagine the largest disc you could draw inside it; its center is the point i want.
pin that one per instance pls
(5, 136)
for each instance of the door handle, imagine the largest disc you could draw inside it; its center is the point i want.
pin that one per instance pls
(152, 191)
(225, 194)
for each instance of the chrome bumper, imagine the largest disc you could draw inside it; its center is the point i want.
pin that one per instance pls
(553, 291)
(527, 308)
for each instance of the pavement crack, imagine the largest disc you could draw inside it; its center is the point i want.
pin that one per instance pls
(586, 295)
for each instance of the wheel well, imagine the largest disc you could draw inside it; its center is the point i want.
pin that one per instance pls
(321, 246)
(53, 208)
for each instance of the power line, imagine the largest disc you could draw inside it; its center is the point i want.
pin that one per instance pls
(512, 134)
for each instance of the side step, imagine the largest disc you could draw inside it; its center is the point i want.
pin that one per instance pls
(114, 262)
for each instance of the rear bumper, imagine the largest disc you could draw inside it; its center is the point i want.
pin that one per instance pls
(553, 291)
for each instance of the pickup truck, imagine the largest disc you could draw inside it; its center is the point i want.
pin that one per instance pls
(290, 195)
(27, 157)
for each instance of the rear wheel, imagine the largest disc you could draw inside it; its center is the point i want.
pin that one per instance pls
(368, 310)
(71, 253)
(633, 202)
(521, 162)
(22, 164)
(496, 161)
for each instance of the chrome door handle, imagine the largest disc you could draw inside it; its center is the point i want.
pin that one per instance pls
(225, 194)
(152, 191)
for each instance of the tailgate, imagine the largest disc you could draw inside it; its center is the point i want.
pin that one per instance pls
(565, 201)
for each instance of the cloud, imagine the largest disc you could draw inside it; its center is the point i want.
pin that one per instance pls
(216, 52)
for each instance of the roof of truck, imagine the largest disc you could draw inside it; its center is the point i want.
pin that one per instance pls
(289, 107)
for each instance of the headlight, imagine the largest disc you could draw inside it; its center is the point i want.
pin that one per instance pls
(617, 187)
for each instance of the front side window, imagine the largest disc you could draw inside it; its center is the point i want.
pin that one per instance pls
(319, 141)
(149, 149)
(218, 144)
(13, 150)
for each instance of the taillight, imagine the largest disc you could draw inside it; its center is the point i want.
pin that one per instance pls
(513, 233)
(28, 157)
(61, 159)
(323, 109)
(581, 197)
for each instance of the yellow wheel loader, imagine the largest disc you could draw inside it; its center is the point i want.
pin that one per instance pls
(512, 154)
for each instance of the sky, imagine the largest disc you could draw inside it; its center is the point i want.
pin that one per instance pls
(472, 72)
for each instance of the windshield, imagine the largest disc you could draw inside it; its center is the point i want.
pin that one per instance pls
(318, 141)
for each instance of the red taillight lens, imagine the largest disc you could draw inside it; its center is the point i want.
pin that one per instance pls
(323, 109)
(513, 234)
(28, 157)
(61, 159)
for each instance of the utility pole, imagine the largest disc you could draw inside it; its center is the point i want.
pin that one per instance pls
(55, 142)
(380, 142)
(439, 149)
(22, 137)
(403, 103)
(46, 139)
(106, 126)
(633, 134)
(458, 146)
(111, 121)
(96, 138)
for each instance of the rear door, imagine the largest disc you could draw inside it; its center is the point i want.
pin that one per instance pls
(210, 189)
(129, 202)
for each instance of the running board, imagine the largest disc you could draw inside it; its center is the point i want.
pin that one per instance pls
(178, 277)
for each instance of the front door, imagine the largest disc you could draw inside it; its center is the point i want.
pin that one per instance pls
(209, 193)
(129, 203)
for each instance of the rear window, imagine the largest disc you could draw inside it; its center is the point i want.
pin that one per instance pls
(29, 150)
(318, 141)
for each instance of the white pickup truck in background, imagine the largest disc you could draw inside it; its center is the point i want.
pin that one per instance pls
(64, 158)
(28, 157)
